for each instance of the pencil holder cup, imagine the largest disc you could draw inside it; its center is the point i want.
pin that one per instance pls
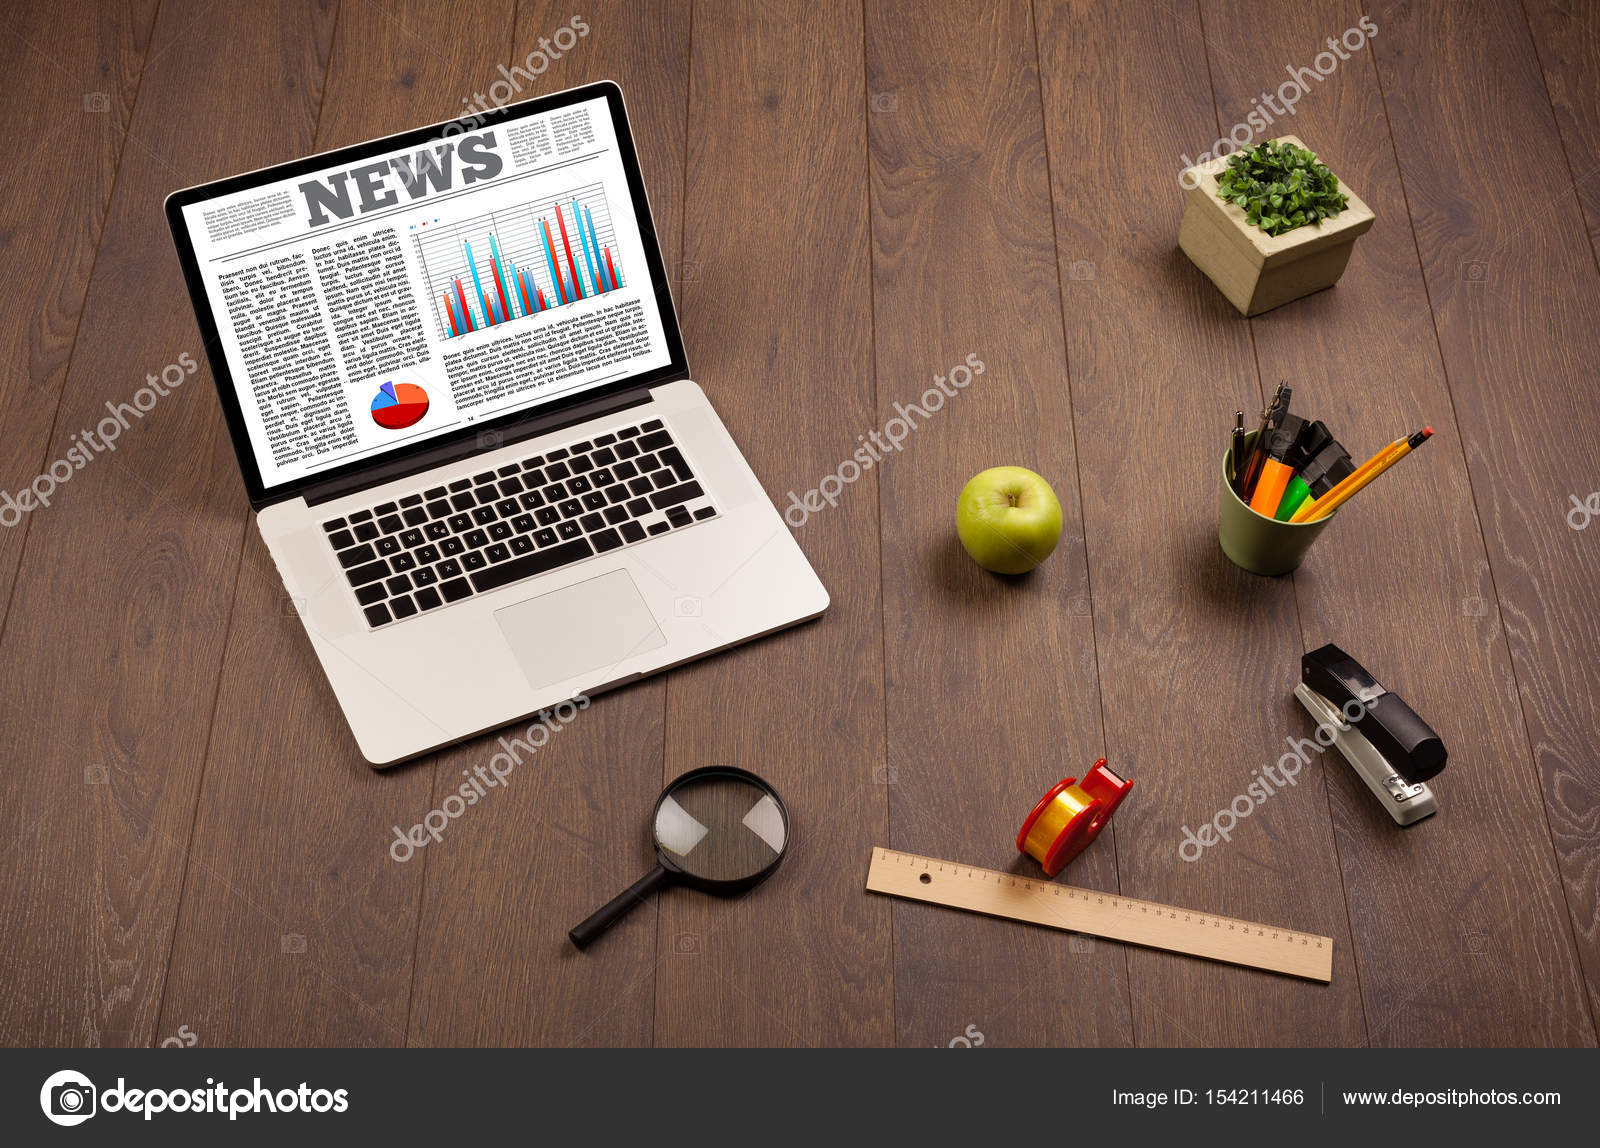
(1254, 542)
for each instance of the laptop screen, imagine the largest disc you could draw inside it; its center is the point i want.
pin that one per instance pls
(384, 298)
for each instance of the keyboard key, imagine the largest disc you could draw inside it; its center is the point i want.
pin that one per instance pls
(411, 539)
(545, 537)
(581, 463)
(605, 439)
(704, 513)
(461, 484)
(499, 552)
(579, 485)
(580, 447)
(403, 607)
(547, 516)
(402, 562)
(678, 515)
(424, 577)
(522, 524)
(640, 485)
(340, 539)
(674, 458)
(360, 515)
(655, 441)
(533, 463)
(386, 545)
(639, 507)
(428, 555)
(460, 523)
(440, 509)
(624, 470)
(366, 532)
(356, 556)
(591, 523)
(552, 455)
(399, 585)
(370, 593)
(486, 476)
(534, 477)
(594, 500)
(628, 432)
(463, 501)
(449, 568)
(662, 499)
(411, 500)
(433, 492)
(507, 507)
(371, 572)
(474, 560)
(649, 462)
(484, 515)
(604, 457)
(385, 508)
(477, 538)
(532, 500)
(451, 546)
(571, 508)
(663, 479)
(510, 486)
(500, 531)
(528, 565)
(631, 531)
(653, 424)
(617, 493)
(606, 540)
(333, 524)
(602, 478)
(378, 615)
(627, 450)
(616, 514)
(509, 469)
(567, 528)
(429, 599)
(415, 516)
(487, 494)
(555, 492)
(521, 544)
(659, 528)
(556, 471)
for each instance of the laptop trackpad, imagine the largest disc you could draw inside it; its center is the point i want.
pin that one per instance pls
(593, 625)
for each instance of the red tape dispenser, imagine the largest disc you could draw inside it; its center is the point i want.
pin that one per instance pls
(1071, 816)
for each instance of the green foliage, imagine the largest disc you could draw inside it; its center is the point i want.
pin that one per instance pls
(1281, 187)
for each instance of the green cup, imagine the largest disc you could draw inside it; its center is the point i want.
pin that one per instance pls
(1254, 542)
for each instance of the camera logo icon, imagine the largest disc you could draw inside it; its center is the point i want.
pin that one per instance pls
(68, 1097)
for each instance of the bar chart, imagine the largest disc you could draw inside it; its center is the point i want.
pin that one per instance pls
(505, 265)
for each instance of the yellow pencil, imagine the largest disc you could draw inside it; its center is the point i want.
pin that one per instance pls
(1371, 469)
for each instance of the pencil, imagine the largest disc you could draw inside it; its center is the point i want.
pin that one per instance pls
(1371, 469)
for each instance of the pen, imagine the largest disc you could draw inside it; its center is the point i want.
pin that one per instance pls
(1236, 454)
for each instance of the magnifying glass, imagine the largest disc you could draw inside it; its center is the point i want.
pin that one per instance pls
(719, 829)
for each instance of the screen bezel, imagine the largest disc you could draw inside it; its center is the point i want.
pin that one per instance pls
(388, 461)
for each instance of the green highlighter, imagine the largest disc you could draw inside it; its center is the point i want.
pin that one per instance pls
(1294, 494)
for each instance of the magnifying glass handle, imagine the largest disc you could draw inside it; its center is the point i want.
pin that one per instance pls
(617, 908)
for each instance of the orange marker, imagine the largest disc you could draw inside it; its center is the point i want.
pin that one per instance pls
(1270, 486)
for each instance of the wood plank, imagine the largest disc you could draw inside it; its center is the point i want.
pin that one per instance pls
(1196, 656)
(776, 314)
(1566, 38)
(991, 687)
(1417, 616)
(110, 661)
(289, 812)
(1516, 301)
(81, 64)
(494, 964)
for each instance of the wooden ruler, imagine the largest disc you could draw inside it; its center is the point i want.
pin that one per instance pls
(1040, 902)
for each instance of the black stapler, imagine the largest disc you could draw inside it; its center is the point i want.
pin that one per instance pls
(1393, 749)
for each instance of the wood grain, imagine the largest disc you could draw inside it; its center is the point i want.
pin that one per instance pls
(775, 299)
(528, 865)
(1475, 883)
(1566, 38)
(123, 600)
(991, 685)
(1196, 656)
(1516, 301)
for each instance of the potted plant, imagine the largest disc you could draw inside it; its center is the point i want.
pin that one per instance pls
(1269, 224)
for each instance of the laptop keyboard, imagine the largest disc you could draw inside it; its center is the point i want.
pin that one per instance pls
(448, 543)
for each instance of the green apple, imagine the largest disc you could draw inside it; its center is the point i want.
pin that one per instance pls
(1009, 520)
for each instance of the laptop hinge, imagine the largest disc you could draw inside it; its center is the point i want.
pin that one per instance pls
(531, 427)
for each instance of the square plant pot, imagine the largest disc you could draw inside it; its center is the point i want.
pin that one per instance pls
(1257, 271)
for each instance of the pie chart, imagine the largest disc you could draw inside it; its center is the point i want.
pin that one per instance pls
(399, 405)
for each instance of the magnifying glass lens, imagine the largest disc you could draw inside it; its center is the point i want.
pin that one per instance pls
(720, 827)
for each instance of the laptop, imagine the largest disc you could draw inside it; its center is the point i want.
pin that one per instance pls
(454, 378)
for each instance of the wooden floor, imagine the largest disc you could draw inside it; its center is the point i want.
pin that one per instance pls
(854, 197)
